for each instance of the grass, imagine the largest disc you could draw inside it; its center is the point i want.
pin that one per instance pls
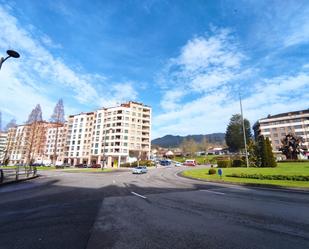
(281, 169)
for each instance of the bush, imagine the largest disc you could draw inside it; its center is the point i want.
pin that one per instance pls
(212, 171)
(147, 163)
(238, 163)
(224, 163)
(271, 177)
(294, 161)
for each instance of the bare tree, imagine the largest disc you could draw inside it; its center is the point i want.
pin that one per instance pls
(58, 118)
(33, 130)
(189, 146)
(10, 124)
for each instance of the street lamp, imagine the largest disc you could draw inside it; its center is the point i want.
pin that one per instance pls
(11, 53)
(244, 132)
(103, 165)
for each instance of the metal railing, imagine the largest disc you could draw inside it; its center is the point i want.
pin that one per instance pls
(16, 173)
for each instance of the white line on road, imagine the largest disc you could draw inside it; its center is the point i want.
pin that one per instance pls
(114, 181)
(214, 192)
(144, 197)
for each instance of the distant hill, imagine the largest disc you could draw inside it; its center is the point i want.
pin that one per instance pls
(174, 141)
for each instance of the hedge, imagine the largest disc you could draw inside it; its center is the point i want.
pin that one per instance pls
(271, 177)
(224, 163)
(141, 163)
(294, 161)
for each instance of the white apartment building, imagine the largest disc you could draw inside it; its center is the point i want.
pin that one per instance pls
(109, 135)
(3, 141)
(52, 134)
(277, 126)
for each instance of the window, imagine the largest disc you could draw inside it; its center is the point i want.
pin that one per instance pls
(275, 134)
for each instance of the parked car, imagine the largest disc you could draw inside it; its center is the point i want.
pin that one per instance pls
(140, 170)
(178, 164)
(190, 162)
(165, 162)
(81, 165)
(96, 166)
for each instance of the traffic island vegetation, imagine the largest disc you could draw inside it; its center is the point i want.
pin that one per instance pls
(292, 174)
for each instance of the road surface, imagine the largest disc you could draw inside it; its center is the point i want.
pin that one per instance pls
(153, 210)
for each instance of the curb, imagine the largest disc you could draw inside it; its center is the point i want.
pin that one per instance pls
(254, 185)
(20, 180)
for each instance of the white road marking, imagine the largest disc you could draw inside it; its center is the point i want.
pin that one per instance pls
(214, 192)
(144, 197)
(114, 181)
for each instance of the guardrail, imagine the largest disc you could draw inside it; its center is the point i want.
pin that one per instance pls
(16, 173)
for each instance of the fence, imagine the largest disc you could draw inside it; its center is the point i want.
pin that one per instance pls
(16, 173)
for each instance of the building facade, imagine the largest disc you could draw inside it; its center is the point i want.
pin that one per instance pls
(276, 127)
(3, 141)
(108, 136)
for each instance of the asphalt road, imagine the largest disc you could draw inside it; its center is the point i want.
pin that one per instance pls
(154, 210)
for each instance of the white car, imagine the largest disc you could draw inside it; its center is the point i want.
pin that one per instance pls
(178, 164)
(140, 170)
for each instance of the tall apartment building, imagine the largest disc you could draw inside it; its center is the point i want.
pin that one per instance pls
(277, 126)
(3, 141)
(110, 135)
(106, 136)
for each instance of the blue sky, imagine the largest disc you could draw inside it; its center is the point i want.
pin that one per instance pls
(186, 59)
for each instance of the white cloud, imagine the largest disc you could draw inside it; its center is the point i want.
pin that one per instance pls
(212, 86)
(40, 77)
(205, 63)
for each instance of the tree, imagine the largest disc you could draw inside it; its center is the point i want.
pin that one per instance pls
(271, 162)
(58, 118)
(34, 131)
(10, 124)
(265, 154)
(234, 133)
(204, 145)
(291, 146)
(189, 146)
(253, 154)
(35, 115)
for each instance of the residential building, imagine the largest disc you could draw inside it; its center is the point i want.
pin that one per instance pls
(27, 143)
(109, 135)
(3, 141)
(276, 127)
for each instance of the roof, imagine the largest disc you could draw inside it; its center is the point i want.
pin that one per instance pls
(285, 114)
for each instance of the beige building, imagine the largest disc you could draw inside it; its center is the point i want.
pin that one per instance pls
(277, 126)
(3, 141)
(27, 143)
(109, 136)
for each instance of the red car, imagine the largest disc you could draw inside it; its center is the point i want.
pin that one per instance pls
(190, 163)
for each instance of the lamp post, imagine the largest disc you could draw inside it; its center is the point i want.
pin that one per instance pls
(244, 132)
(103, 165)
(11, 53)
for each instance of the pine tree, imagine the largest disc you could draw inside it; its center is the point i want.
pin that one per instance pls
(271, 162)
(234, 133)
(58, 118)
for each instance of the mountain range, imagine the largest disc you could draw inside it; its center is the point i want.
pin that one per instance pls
(175, 141)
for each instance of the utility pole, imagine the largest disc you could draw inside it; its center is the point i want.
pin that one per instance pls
(244, 132)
